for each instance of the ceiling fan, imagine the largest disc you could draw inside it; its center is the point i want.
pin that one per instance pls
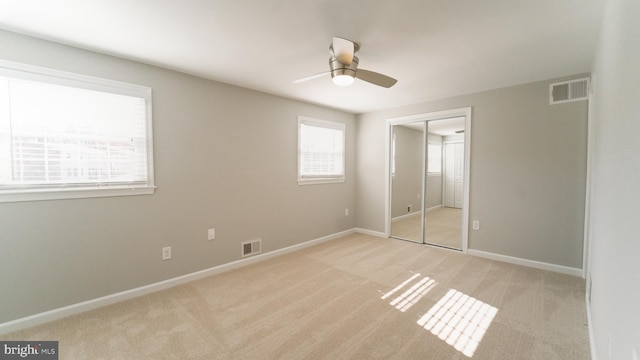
(343, 65)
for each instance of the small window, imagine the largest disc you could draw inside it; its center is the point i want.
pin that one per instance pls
(434, 164)
(320, 151)
(65, 135)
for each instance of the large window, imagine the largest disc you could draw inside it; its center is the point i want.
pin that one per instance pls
(320, 151)
(64, 135)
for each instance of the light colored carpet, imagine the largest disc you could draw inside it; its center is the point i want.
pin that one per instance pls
(357, 297)
(443, 227)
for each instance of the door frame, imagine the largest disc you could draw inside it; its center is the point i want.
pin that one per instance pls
(436, 115)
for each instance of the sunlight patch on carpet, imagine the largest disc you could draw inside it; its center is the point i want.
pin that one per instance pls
(460, 320)
(412, 295)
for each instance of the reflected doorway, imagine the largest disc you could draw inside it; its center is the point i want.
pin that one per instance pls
(428, 178)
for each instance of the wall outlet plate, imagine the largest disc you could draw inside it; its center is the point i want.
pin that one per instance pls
(166, 253)
(211, 234)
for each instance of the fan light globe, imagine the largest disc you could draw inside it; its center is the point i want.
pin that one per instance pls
(343, 80)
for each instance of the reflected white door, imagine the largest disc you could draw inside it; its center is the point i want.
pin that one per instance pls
(454, 174)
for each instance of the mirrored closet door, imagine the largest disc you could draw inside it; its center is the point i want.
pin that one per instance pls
(427, 176)
(407, 181)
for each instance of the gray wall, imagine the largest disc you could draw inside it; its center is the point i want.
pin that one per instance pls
(225, 157)
(528, 167)
(614, 209)
(407, 184)
(434, 191)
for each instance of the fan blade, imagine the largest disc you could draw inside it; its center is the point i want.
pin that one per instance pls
(310, 77)
(375, 78)
(343, 50)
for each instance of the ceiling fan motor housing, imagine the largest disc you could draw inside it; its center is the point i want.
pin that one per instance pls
(338, 68)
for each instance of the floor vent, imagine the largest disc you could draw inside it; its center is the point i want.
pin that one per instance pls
(567, 91)
(251, 247)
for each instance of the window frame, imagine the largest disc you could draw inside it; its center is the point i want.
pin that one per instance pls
(75, 191)
(311, 180)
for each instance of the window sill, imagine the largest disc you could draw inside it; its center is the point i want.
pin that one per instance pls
(72, 193)
(320, 181)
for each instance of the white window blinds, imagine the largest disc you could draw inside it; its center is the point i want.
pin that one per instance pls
(320, 151)
(62, 133)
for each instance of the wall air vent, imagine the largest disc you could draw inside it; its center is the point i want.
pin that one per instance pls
(251, 247)
(567, 91)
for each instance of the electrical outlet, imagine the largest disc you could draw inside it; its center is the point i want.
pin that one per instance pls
(211, 234)
(346, 212)
(476, 225)
(166, 253)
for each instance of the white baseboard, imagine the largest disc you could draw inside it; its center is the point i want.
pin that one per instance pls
(433, 208)
(405, 216)
(371, 232)
(526, 262)
(415, 213)
(55, 314)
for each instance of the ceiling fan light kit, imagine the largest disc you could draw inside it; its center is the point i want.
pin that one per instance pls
(343, 80)
(341, 74)
(343, 66)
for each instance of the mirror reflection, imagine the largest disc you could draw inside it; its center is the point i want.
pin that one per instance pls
(407, 159)
(427, 168)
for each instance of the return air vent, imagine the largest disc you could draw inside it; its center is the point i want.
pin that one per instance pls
(251, 247)
(567, 91)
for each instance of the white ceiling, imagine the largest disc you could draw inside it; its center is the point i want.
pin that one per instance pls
(435, 48)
